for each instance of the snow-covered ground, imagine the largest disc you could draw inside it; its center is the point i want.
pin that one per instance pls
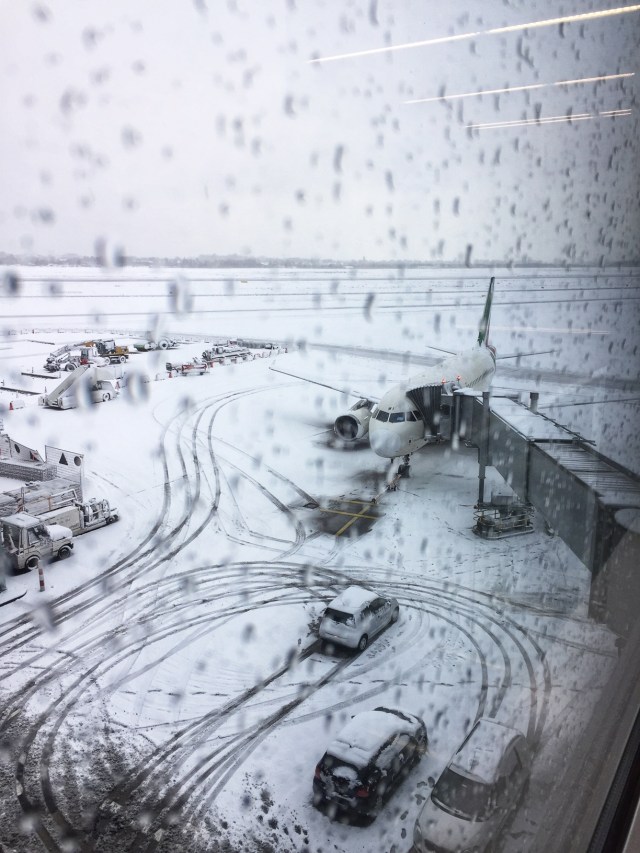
(166, 685)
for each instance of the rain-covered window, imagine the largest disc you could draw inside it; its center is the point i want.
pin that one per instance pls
(238, 243)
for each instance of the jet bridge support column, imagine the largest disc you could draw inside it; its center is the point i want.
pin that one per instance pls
(456, 417)
(483, 446)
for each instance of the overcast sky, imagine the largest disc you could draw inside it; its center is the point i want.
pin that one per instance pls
(185, 127)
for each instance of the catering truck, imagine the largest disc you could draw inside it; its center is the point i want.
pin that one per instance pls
(27, 540)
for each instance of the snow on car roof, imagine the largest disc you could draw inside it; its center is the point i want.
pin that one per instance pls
(365, 733)
(480, 755)
(351, 598)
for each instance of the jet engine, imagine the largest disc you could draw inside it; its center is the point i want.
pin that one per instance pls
(354, 424)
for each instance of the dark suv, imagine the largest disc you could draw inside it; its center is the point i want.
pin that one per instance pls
(368, 759)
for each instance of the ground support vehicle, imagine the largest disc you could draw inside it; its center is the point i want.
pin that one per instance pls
(222, 353)
(39, 496)
(82, 516)
(63, 395)
(70, 356)
(368, 759)
(95, 384)
(70, 359)
(66, 361)
(91, 355)
(161, 343)
(477, 792)
(27, 540)
(252, 343)
(114, 352)
(189, 368)
(103, 390)
(64, 358)
(355, 617)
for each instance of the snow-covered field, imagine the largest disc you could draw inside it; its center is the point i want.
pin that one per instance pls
(165, 691)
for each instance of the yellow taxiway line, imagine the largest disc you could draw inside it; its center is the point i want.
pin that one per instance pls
(355, 518)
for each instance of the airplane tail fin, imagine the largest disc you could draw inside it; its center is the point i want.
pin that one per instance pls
(483, 328)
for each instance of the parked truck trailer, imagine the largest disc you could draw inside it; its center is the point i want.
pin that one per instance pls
(81, 517)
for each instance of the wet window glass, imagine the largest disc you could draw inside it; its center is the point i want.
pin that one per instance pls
(238, 242)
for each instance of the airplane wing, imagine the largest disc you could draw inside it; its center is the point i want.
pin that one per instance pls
(439, 349)
(525, 354)
(348, 391)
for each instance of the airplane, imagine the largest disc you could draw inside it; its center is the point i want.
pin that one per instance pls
(412, 413)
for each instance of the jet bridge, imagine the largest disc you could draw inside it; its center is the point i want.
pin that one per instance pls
(592, 502)
(428, 401)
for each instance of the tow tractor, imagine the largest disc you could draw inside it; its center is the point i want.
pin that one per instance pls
(27, 540)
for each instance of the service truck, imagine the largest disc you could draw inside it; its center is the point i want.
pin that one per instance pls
(82, 516)
(27, 540)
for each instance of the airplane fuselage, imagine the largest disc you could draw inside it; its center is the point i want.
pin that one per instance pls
(398, 425)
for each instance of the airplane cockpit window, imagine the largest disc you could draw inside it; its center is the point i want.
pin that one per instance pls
(226, 228)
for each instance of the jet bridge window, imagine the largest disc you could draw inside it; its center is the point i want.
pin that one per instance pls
(396, 418)
(382, 416)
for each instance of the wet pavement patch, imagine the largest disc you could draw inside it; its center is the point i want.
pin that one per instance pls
(345, 516)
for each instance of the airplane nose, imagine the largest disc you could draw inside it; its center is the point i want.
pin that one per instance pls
(385, 442)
